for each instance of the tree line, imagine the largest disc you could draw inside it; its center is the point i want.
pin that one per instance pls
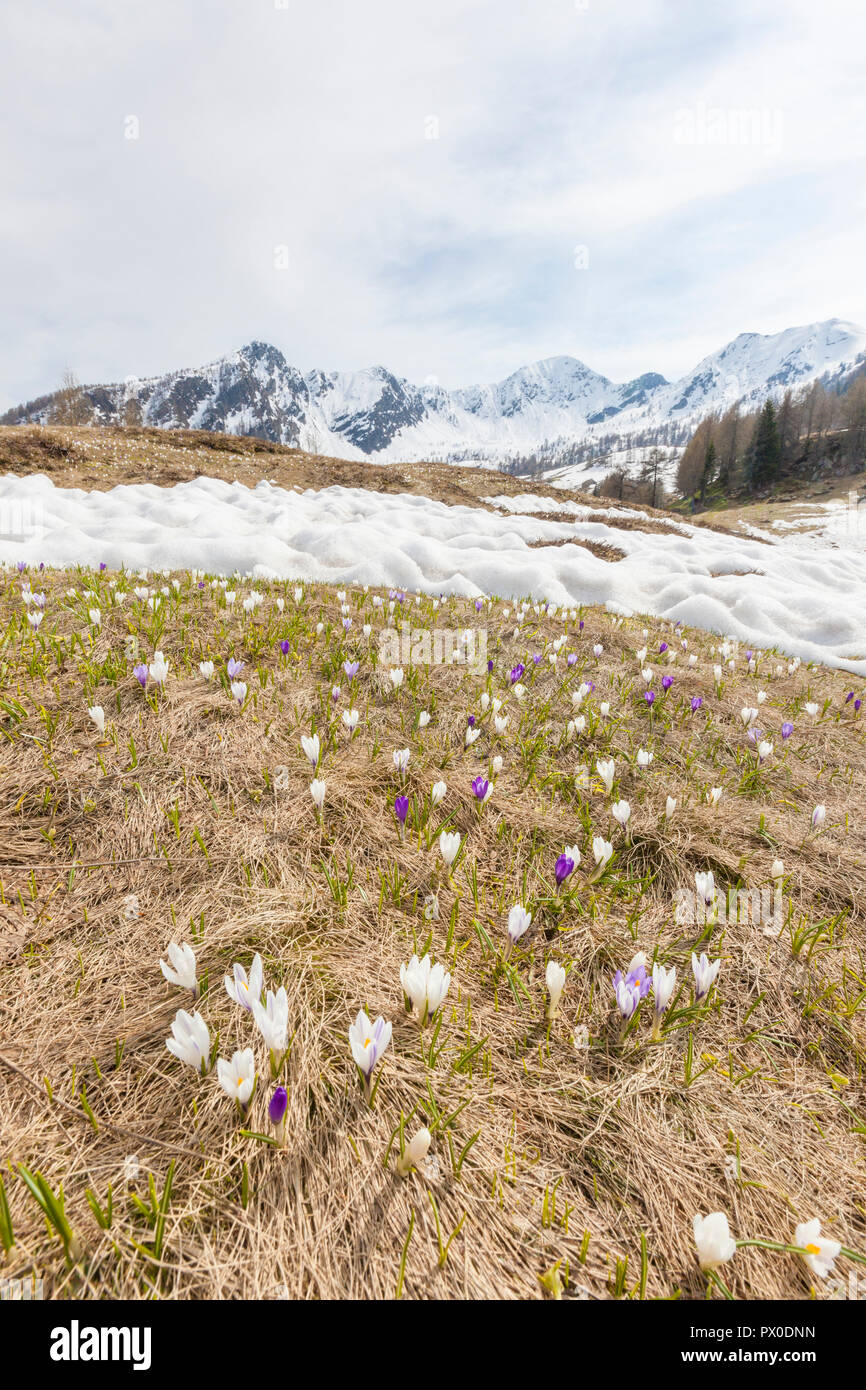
(809, 432)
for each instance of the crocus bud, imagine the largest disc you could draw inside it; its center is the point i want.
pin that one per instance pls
(277, 1112)
(555, 980)
(415, 1152)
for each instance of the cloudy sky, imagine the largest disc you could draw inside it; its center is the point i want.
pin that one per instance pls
(452, 188)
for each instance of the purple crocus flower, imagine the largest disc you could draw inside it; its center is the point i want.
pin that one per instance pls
(472, 721)
(749, 654)
(516, 672)
(480, 787)
(580, 625)
(285, 646)
(490, 666)
(478, 605)
(233, 667)
(667, 682)
(351, 669)
(562, 868)
(849, 697)
(278, 1106)
(401, 808)
(572, 659)
(536, 657)
(697, 701)
(140, 673)
(21, 567)
(663, 646)
(649, 696)
(857, 704)
(102, 567)
(590, 687)
(627, 995)
(787, 729)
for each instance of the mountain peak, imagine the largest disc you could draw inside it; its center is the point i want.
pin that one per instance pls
(556, 407)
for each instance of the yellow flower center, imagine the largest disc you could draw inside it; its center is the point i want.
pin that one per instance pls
(813, 1249)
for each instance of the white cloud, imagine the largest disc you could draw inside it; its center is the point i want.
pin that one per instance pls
(307, 128)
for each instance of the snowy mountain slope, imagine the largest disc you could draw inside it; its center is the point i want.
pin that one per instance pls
(551, 405)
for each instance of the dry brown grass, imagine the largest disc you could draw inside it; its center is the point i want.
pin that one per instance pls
(631, 1149)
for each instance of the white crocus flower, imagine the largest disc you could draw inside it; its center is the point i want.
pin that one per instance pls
(706, 886)
(449, 845)
(519, 921)
(704, 973)
(621, 811)
(819, 816)
(765, 750)
(238, 1077)
(401, 758)
(500, 723)
(497, 765)
(368, 1042)
(470, 736)
(243, 989)
(351, 718)
(644, 757)
(317, 792)
(190, 1041)
(206, 668)
(425, 985)
(777, 872)
(97, 714)
(437, 792)
(713, 1240)
(158, 669)
(395, 676)
(811, 709)
(181, 972)
(272, 1021)
(664, 983)
(311, 748)
(555, 980)
(606, 771)
(423, 719)
(602, 850)
(821, 1253)
(239, 691)
(670, 807)
(714, 796)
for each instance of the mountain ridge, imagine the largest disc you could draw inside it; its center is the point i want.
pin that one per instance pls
(555, 403)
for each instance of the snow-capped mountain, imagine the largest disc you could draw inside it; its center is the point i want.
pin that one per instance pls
(548, 407)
